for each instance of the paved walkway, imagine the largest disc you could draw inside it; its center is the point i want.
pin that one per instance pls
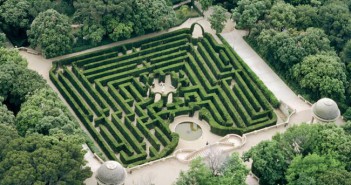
(263, 71)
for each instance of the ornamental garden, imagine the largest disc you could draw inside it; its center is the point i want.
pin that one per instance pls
(111, 92)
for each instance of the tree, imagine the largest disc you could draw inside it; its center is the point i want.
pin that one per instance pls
(198, 173)
(184, 10)
(281, 16)
(298, 2)
(2, 39)
(16, 82)
(271, 159)
(335, 19)
(306, 16)
(346, 53)
(249, 12)
(308, 170)
(11, 56)
(6, 116)
(323, 75)
(119, 30)
(205, 4)
(7, 134)
(41, 160)
(90, 14)
(337, 176)
(152, 15)
(232, 171)
(290, 47)
(215, 161)
(52, 33)
(15, 13)
(44, 113)
(218, 18)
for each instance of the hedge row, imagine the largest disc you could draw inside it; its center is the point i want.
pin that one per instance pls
(203, 72)
(86, 96)
(86, 120)
(107, 61)
(117, 48)
(267, 93)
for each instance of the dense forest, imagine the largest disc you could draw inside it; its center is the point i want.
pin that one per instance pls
(318, 154)
(83, 22)
(40, 140)
(307, 42)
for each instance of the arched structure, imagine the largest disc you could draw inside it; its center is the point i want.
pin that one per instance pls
(192, 27)
(111, 173)
(325, 110)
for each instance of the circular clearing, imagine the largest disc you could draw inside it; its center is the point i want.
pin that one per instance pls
(189, 131)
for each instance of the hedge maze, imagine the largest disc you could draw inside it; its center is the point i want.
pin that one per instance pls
(109, 90)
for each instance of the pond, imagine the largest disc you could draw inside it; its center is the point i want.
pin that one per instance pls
(188, 131)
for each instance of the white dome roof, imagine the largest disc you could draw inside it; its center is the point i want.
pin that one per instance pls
(326, 109)
(111, 173)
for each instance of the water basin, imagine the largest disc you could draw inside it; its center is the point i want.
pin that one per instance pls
(188, 131)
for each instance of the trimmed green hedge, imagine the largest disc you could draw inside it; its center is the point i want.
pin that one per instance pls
(112, 93)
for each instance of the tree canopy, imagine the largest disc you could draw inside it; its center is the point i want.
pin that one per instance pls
(6, 117)
(51, 32)
(41, 160)
(2, 39)
(44, 113)
(315, 170)
(36, 159)
(287, 159)
(205, 4)
(16, 82)
(232, 171)
(11, 56)
(218, 18)
(121, 19)
(322, 74)
(285, 32)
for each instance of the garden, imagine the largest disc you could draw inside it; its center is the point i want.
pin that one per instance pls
(110, 92)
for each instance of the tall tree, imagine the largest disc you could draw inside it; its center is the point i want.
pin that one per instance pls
(52, 33)
(17, 82)
(218, 18)
(290, 47)
(281, 16)
(152, 15)
(41, 160)
(306, 16)
(271, 159)
(335, 19)
(6, 117)
(346, 53)
(205, 4)
(249, 12)
(44, 113)
(309, 169)
(2, 39)
(232, 171)
(90, 14)
(322, 74)
(11, 56)
(198, 173)
(7, 134)
(15, 14)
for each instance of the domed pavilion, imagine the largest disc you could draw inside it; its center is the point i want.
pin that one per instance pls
(111, 173)
(325, 110)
